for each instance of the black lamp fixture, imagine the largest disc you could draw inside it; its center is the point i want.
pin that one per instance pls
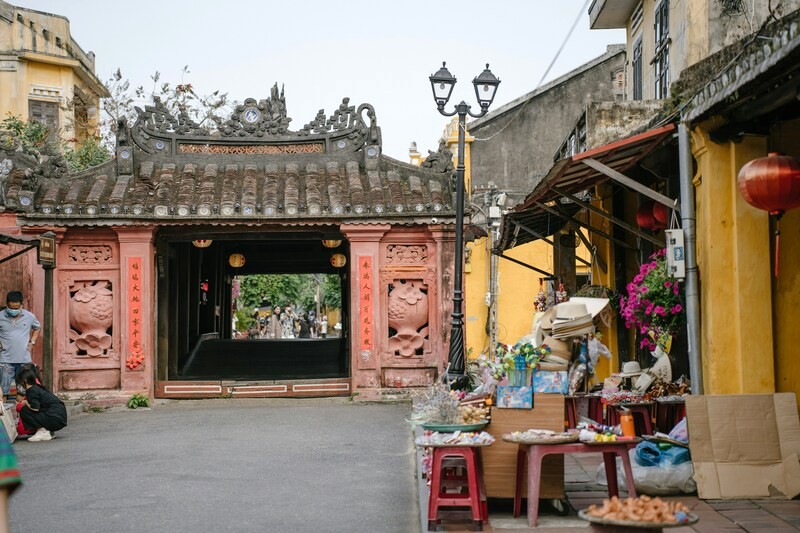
(442, 83)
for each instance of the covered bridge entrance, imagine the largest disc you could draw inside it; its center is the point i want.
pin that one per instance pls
(140, 308)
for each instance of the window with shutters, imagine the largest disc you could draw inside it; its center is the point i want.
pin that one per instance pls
(45, 113)
(637, 69)
(661, 56)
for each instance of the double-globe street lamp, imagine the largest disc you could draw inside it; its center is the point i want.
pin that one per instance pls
(443, 83)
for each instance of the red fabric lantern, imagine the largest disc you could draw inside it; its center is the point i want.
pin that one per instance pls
(652, 215)
(772, 183)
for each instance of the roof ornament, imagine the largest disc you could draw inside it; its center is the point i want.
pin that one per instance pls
(441, 160)
(156, 118)
(257, 119)
(256, 126)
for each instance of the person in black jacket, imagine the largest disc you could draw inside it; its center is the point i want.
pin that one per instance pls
(41, 409)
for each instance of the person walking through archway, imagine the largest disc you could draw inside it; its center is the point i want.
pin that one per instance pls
(274, 328)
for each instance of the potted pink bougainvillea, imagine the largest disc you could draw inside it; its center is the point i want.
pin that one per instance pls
(653, 305)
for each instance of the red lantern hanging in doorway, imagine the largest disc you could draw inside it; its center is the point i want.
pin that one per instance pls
(652, 215)
(202, 243)
(772, 183)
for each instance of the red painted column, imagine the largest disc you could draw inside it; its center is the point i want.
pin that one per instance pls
(365, 302)
(137, 308)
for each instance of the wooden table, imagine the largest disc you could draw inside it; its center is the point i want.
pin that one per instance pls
(536, 452)
(642, 416)
(500, 459)
(669, 413)
(595, 408)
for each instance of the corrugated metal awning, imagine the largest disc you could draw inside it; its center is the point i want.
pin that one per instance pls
(552, 203)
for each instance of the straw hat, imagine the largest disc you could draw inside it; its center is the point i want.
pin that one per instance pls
(572, 320)
(558, 349)
(595, 306)
(570, 311)
(630, 369)
(547, 318)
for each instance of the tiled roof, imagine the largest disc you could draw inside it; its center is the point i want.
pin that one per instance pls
(754, 56)
(324, 189)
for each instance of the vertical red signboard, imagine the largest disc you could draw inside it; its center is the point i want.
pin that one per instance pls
(135, 345)
(365, 325)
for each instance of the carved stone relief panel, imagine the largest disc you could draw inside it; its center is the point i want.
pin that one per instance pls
(91, 318)
(89, 254)
(408, 317)
(403, 254)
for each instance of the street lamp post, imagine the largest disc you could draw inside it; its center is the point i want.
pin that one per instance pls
(442, 83)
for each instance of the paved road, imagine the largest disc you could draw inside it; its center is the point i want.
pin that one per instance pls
(223, 465)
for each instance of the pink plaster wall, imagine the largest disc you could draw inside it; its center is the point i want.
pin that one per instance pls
(382, 366)
(76, 268)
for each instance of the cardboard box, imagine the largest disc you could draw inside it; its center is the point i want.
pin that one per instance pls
(745, 445)
(545, 381)
(509, 397)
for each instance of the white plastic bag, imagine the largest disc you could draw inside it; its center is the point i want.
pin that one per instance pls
(653, 480)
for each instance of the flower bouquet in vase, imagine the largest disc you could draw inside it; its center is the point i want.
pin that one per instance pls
(653, 305)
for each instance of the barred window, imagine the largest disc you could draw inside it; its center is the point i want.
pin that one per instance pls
(661, 56)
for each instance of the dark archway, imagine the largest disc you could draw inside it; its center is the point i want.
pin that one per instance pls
(196, 340)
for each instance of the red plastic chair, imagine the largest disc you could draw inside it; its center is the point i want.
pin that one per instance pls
(443, 477)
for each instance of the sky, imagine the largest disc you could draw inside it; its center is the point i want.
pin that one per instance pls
(377, 52)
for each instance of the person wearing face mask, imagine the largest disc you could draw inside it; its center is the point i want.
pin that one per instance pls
(19, 330)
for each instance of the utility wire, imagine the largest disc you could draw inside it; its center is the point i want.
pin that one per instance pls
(546, 72)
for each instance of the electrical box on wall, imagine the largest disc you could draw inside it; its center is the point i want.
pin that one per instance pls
(676, 258)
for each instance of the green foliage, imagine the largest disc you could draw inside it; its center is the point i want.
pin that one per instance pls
(244, 319)
(296, 289)
(138, 400)
(278, 289)
(32, 135)
(332, 291)
(86, 154)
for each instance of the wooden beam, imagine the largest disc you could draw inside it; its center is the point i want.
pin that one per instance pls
(622, 179)
(621, 223)
(552, 243)
(592, 248)
(584, 225)
(526, 265)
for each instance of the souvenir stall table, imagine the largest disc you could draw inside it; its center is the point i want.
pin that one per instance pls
(533, 453)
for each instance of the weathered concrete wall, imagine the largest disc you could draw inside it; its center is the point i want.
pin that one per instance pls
(533, 128)
(607, 122)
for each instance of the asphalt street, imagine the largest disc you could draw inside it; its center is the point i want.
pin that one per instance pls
(289, 466)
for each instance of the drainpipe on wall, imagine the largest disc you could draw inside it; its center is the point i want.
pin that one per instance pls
(689, 224)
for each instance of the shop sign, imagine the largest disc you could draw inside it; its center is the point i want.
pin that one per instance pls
(46, 252)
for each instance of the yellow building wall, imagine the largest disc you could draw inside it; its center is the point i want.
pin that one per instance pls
(786, 288)
(605, 253)
(733, 251)
(39, 68)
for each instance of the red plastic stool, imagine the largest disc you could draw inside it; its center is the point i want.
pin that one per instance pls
(441, 478)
